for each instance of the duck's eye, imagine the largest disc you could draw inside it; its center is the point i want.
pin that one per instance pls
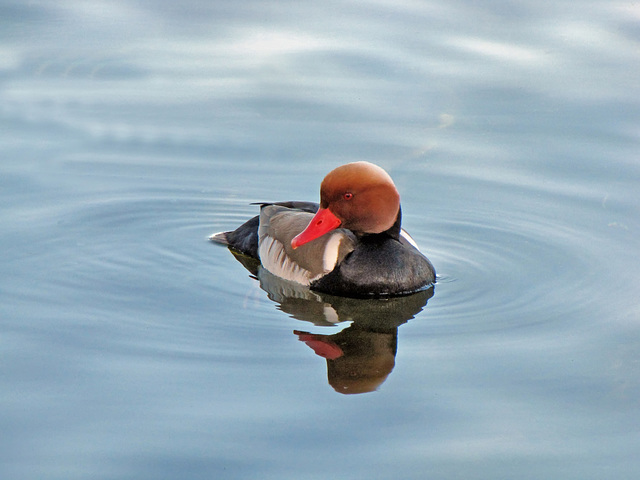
(347, 196)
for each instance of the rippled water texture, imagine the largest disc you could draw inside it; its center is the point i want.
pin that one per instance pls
(132, 347)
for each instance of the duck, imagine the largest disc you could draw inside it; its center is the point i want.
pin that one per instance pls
(351, 244)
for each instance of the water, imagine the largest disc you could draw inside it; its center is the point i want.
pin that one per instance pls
(134, 348)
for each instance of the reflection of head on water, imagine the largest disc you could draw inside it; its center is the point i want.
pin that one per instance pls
(361, 356)
(359, 360)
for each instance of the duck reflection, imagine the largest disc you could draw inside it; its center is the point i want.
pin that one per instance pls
(360, 357)
(358, 360)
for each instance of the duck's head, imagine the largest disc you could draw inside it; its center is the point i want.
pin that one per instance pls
(358, 196)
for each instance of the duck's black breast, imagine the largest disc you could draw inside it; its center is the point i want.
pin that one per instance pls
(379, 266)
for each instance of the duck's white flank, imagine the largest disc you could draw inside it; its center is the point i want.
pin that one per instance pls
(408, 238)
(275, 259)
(331, 250)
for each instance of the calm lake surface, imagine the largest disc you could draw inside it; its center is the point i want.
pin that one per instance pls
(133, 348)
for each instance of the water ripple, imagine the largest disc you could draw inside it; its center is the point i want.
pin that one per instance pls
(505, 271)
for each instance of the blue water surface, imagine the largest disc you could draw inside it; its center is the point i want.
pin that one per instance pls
(133, 348)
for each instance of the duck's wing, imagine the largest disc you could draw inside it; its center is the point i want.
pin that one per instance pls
(310, 207)
(244, 239)
(278, 225)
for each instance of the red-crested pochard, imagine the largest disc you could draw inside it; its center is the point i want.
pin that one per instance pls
(350, 245)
